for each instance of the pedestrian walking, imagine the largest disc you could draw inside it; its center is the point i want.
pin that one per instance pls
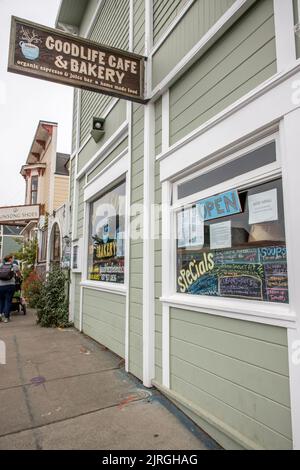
(8, 273)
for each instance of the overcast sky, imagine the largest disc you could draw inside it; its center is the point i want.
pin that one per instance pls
(24, 101)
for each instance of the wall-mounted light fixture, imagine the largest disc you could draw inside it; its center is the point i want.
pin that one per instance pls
(98, 128)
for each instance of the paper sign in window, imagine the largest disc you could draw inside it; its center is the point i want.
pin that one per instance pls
(220, 235)
(263, 207)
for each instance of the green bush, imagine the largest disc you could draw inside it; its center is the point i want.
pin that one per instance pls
(32, 287)
(27, 255)
(52, 305)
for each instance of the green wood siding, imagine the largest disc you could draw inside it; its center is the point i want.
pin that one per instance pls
(236, 371)
(137, 181)
(72, 182)
(103, 164)
(80, 208)
(164, 12)
(158, 126)
(111, 29)
(158, 246)
(202, 15)
(139, 26)
(136, 247)
(104, 319)
(114, 120)
(76, 279)
(242, 59)
(74, 124)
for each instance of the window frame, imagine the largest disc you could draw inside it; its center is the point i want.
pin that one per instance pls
(223, 306)
(120, 181)
(110, 177)
(35, 191)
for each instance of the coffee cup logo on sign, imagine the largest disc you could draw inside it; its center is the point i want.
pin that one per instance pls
(28, 44)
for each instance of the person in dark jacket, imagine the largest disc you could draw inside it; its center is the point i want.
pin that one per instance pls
(7, 287)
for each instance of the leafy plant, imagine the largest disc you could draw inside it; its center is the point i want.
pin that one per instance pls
(28, 256)
(52, 305)
(32, 288)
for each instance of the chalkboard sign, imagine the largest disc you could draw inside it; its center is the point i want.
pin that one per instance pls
(253, 273)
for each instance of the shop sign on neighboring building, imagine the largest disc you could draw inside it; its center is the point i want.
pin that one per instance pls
(48, 54)
(19, 214)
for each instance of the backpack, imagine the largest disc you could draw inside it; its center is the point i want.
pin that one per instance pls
(6, 272)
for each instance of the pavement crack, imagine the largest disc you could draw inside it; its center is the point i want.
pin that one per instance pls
(29, 384)
(69, 418)
(26, 396)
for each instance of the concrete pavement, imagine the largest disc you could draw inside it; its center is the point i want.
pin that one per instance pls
(61, 390)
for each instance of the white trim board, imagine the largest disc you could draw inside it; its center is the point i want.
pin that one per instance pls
(240, 310)
(284, 33)
(118, 289)
(105, 150)
(148, 248)
(106, 178)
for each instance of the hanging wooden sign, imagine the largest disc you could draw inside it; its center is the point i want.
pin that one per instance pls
(48, 54)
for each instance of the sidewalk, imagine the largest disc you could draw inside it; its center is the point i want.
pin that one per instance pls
(61, 390)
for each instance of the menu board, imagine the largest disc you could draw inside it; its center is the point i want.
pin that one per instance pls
(252, 273)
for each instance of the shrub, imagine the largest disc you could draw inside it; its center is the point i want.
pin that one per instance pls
(52, 305)
(32, 288)
(27, 255)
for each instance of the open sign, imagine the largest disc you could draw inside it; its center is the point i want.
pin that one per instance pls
(221, 205)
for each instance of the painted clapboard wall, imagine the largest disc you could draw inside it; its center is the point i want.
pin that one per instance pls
(200, 17)
(71, 190)
(135, 359)
(236, 372)
(112, 29)
(76, 279)
(80, 208)
(104, 319)
(164, 12)
(113, 121)
(158, 247)
(136, 246)
(110, 158)
(74, 123)
(242, 59)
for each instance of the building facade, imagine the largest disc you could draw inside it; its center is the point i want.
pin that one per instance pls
(46, 173)
(184, 216)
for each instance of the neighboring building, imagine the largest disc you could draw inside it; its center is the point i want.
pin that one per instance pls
(209, 311)
(10, 239)
(47, 183)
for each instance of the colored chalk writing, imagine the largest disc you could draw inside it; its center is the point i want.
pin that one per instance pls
(254, 273)
(246, 287)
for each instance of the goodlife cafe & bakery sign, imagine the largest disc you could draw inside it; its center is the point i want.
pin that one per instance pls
(48, 54)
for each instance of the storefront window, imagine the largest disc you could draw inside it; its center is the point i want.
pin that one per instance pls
(233, 245)
(107, 237)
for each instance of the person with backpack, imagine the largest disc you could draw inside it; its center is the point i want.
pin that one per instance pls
(8, 273)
